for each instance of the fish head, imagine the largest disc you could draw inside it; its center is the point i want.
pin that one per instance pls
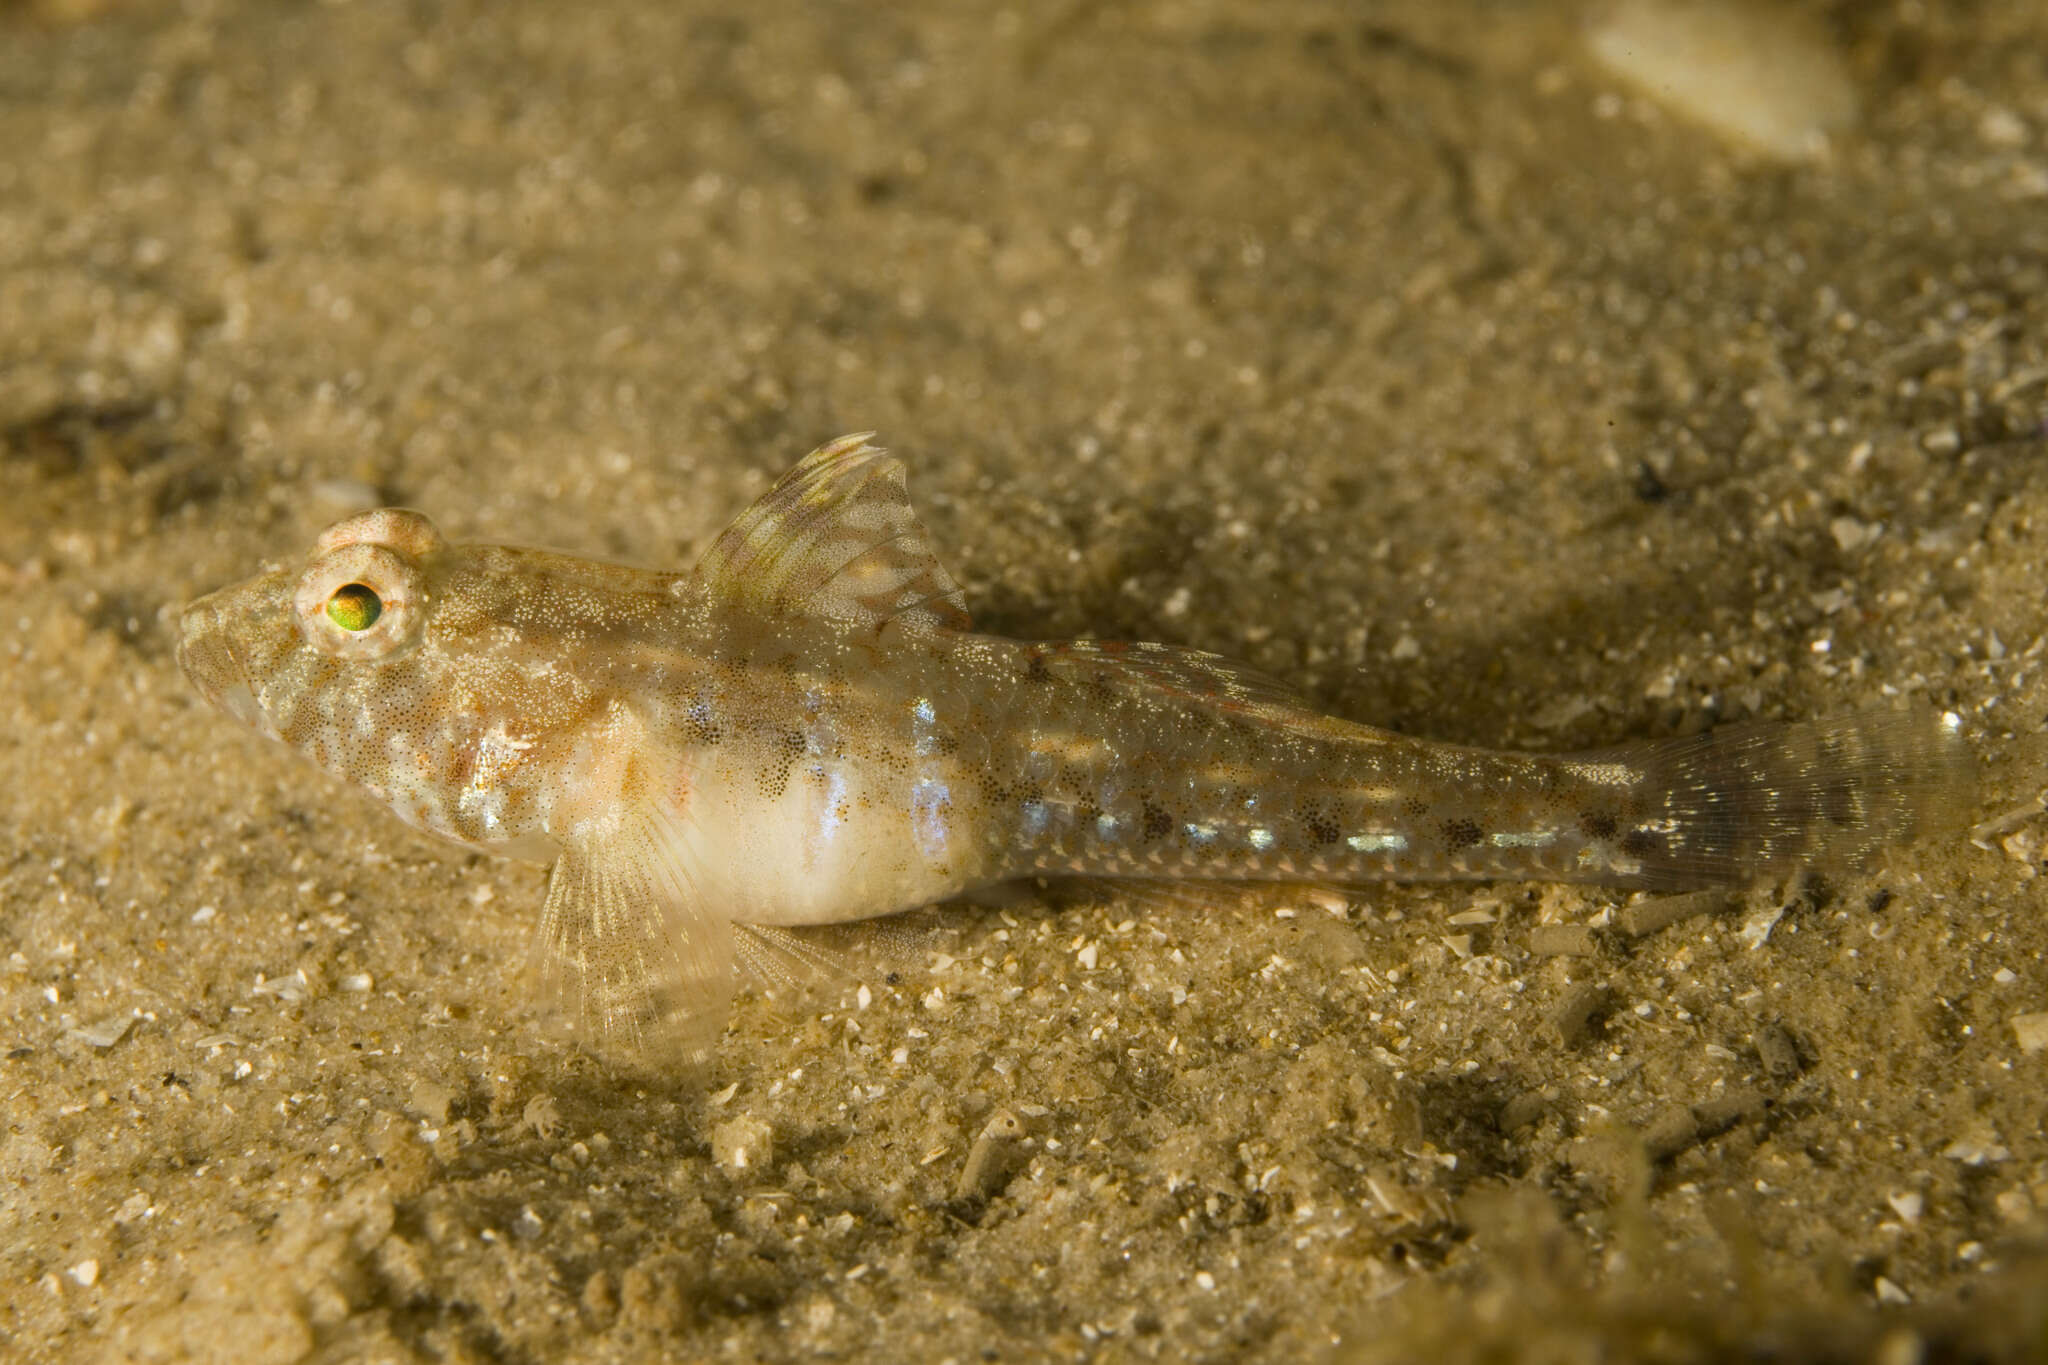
(364, 658)
(261, 649)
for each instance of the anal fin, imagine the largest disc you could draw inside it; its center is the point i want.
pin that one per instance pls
(780, 959)
(1163, 896)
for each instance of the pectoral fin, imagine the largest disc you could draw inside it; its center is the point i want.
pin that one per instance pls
(631, 956)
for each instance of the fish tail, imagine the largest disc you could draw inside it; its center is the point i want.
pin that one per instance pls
(1751, 802)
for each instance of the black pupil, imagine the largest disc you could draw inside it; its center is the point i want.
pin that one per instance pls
(354, 606)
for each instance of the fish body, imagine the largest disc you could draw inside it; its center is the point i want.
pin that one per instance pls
(805, 729)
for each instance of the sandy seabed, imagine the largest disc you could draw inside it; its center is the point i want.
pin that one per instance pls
(1400, 349)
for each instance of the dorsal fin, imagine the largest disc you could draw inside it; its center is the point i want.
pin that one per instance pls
(836, 537)
(1189, 674)
(1191, 677)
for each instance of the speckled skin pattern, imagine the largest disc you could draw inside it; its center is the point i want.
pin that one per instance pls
(805, 730)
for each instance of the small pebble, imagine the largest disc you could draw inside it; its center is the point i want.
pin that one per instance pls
(2014, 1206)
(1671, 1131)
(1522, 1111)
(744, 1143)
(1563, 940)
(1718, 1115)
(1661, 912)
(1977, 1149)
(541, 1115)
(600, 1298)
(103, 1033)
(1778, 1051)
(1756, 929)
(992, 1158)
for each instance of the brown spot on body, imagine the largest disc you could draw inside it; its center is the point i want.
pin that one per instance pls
(1155, 823)
(1640, 843)
(1460, 835)
(705, 727)
(789, 747)
(1597, 824)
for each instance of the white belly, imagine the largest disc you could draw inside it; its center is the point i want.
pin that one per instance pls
(830, 848)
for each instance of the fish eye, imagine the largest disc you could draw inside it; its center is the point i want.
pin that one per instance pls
(362, 601)
(355, 607)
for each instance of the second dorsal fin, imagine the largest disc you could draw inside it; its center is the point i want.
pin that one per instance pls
(836, 537)
(1190, 674)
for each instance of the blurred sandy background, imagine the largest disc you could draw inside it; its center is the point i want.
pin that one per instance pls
(1455, 360)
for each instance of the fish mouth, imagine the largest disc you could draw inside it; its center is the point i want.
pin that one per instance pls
(206, 653)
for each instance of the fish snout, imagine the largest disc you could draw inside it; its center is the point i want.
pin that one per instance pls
(206, 653)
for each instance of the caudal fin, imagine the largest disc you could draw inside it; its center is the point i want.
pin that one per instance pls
(1751, 802)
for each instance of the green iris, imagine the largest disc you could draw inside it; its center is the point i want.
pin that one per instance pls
(354, 607)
